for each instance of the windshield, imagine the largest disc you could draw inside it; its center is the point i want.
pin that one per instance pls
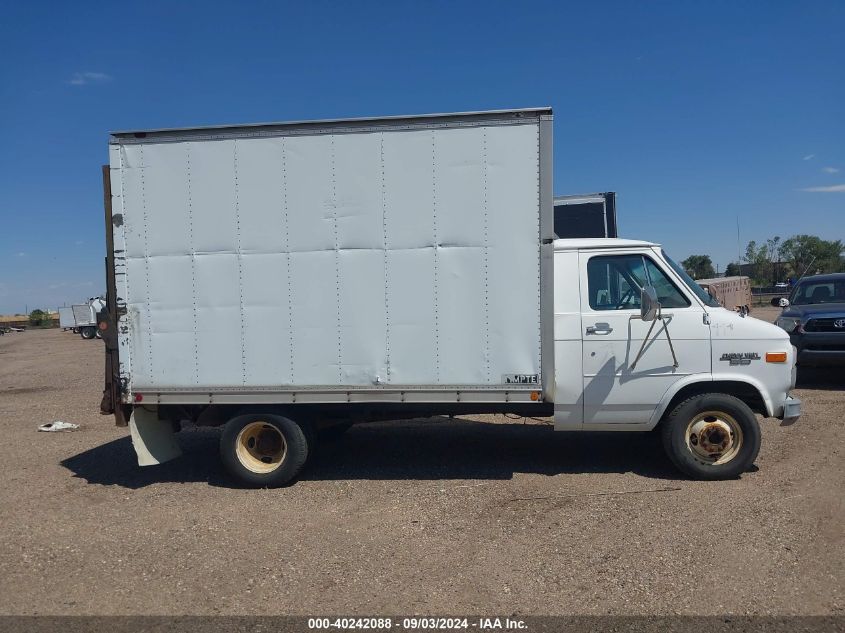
(819, 291)
(700, 292)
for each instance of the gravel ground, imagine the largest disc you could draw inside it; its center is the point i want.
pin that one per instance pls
(482, 515)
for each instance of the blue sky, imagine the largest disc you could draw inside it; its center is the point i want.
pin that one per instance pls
(694, 112)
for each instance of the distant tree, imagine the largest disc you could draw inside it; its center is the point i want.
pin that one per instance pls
(755, 255)
(808, 254)
(762, 259)
(37, 317)
(733, 270)
(699, 266)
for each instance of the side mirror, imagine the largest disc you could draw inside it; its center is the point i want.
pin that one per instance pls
(649, 305)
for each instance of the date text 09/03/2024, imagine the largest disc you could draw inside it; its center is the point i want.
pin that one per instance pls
(417, 623)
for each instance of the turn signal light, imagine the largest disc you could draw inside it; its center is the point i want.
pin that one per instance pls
(535, 396)
(775, 357)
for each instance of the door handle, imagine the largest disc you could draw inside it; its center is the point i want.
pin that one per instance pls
(599, 328)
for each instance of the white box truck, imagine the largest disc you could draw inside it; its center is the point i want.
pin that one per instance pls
(85, 317)
(289, 279)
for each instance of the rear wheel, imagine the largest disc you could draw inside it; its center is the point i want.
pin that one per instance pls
(712, 436)
(263, 450)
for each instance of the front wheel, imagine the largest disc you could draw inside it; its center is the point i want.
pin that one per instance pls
(712, 436)
(88, 332)
(263, 450)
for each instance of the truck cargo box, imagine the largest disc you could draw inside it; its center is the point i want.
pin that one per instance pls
(395, 258)
(66, 318)
(83, 315)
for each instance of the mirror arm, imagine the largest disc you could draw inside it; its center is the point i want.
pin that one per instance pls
(675, 363)
(642, 347)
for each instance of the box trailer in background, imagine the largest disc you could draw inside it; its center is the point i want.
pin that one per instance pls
(733, 293)
(66, 318)
(85, 317)
(586, 215)
(287, 280)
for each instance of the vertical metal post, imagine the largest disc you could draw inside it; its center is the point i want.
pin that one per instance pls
(107, 319)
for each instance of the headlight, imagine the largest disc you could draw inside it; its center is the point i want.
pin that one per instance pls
(790, 324)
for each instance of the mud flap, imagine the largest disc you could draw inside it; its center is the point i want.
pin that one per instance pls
(153, 439)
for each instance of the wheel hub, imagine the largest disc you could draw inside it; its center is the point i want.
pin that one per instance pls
(261, 447)
(714, 437)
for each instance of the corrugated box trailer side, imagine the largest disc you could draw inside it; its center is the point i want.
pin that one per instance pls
(400, 259)
(731, 292)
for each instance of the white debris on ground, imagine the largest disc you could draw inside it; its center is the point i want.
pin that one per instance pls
(58, 425)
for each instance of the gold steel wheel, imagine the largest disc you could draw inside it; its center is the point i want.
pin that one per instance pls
(260, 447)
(714, 437)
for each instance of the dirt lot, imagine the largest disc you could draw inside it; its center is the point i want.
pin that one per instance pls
(431, 516)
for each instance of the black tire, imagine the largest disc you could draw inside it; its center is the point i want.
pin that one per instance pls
(688, 432)
(87, 332)
(260, 465)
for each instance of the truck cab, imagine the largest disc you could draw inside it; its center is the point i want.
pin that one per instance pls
(637, 342)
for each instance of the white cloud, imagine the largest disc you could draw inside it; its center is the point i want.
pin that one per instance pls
(830, 189)
(88, 77)
(809, 157)
(21, 254)
(79, 242)
(830, 170)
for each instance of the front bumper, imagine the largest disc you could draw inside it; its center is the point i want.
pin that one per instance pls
(819, 348)
(820, 357)
(791, 411)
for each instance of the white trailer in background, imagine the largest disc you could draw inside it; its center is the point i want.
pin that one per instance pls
(66, 319)
(283, 279)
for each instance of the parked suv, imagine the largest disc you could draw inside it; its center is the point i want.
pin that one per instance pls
(814, 316)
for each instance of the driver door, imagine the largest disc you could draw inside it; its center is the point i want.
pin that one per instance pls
(615, 392)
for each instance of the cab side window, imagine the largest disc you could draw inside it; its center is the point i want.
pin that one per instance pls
(667, 292)
(615, 282)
